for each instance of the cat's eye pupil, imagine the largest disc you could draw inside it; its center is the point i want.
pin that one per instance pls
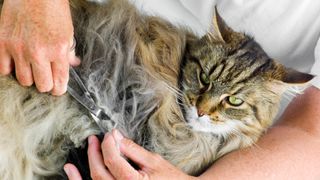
(204, 78)
(234, 101)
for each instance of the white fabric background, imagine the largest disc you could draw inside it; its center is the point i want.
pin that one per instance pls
(288, 30)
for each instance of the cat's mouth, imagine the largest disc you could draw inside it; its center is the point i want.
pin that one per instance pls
(205, 124)
(201, 123)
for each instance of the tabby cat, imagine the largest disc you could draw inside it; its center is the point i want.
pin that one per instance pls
(190, 99)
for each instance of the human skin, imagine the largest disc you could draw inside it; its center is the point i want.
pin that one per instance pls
(35, 40)
(289, 150)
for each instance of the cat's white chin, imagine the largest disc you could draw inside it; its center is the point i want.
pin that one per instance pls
(205, 124)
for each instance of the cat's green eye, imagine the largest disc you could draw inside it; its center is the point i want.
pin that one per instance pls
(204, 78)
(234, 101)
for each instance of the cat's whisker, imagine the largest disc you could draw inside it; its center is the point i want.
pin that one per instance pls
(176, 91)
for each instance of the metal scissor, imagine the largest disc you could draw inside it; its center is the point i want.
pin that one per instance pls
(78, 91)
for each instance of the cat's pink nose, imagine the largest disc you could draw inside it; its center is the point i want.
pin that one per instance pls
(200, 113)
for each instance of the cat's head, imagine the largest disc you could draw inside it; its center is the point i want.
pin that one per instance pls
(229, 83)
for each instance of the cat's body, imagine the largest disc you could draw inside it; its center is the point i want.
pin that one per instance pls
(146, 71)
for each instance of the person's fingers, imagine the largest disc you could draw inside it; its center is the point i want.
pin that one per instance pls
(60, 75)
(96, 164)
(73, 59)
(22, 66)
(42, 74)
(23, 70)
(117, 165)
(136, 153)
(6, 64)
(72, 172)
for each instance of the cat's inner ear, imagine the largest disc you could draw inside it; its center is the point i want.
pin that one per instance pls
(295, 77)
(220, 31)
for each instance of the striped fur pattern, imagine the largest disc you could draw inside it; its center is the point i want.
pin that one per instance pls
(153, 77)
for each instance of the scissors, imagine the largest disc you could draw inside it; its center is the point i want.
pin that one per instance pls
(79, 92)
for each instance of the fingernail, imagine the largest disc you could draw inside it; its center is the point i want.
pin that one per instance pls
(117, 135)
(67, 171)
(64, 87)
(90, 140)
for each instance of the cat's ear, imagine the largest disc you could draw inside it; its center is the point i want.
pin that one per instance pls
(282, 78)
(290, 76)
(221, 31)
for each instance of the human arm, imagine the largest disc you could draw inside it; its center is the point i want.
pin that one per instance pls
(35, 40)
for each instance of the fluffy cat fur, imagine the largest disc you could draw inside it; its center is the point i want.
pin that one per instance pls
(168, 89)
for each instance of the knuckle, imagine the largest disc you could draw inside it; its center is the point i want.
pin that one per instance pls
(62, 47)
(37, 54)
(62, 43)
(96, 174)
(35, 57)
(108, 161)
(128, 143)
(17, 45)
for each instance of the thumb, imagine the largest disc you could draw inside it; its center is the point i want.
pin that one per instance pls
(133, 151)
(73, 59)
(72, 172)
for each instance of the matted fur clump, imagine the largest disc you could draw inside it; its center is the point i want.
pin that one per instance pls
(187, 98)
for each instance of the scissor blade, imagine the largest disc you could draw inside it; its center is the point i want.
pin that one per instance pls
(75, 77)
(98, 122)
(79, 92)
(81, 99)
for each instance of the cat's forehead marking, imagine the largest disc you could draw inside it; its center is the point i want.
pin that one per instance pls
(240, 67)
(208, 56)
(213, 54)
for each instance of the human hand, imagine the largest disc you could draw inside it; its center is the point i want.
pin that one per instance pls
(37, 36)
(108, 161)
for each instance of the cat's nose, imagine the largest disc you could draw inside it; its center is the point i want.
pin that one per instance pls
(200, 113)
